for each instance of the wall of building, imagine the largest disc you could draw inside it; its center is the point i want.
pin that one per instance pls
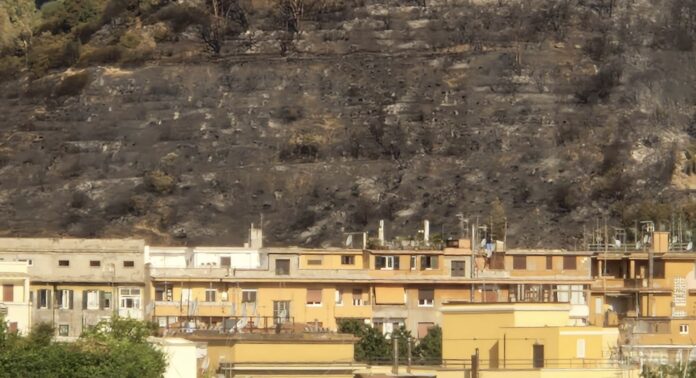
(79, 317)
(330, 261)
(240, 258)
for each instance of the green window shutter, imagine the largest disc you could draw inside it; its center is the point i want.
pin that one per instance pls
(396, 262)
(423, 261)
(84, 299)
(101, 299)
(70, 294)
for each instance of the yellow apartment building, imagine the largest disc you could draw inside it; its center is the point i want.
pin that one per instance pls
(301, 288)
(303, 354)
(528, 340)
(650, 292)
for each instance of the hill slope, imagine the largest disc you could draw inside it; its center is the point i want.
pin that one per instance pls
(563, 111)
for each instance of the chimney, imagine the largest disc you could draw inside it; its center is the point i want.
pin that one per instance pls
(426, 232)
(255, 237)
(380, 232)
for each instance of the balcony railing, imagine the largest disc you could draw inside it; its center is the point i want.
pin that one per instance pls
(239, 324)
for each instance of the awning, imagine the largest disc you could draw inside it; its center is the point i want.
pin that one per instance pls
(389, 295)
(314, 295)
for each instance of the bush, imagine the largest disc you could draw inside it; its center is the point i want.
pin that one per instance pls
(50, 52)
(73, 85)
(101, 55)
(10, 67)
(180, 16)
(159, 182)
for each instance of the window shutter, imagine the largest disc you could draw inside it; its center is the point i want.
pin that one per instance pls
(423, 260)
(84, 299)
(101, 299)
(58, 294)
(48, 298)
(38, 298)
(396, 262)
(70, 299)
(434, 261)
(379, 262)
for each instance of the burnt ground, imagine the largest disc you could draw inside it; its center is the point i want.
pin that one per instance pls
(385, 111)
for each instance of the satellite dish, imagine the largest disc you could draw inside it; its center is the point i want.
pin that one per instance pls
(349, 240)
(617, 243)
(690, 246)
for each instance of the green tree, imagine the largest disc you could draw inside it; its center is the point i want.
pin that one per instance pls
(429, 349)
(114, 348)
(371, 346)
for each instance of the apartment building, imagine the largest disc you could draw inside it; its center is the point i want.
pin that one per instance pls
(15, 308)
(239, 289)
(649, 290)
(75, 283)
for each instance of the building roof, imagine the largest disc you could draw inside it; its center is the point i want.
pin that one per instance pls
(546, 252)
(61, 245)
(310, 251)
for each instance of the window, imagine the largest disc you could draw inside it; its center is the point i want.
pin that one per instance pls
(497, 260)
(128, 264)
(63, 262)
(281, 312)
(428, 262)
(658, 268)
(94, 263)
(570, 262)
(210, 295)
(458, 268)
(426, 297)
(316, 260)
(8, 293)
(29, 262)
(63, 330)
(683, 329)
(357, 297)
(129, 298)
(387, 262)
(313, 297)
(225, 261)
(43, 298)
(347, 260)
(339, 297)
(64, 299)
(163, 294)
(519, 262)
(90, 300)
(282, 267)
(580, 348)
(106, 300)
(130, 303)
(549, 262)
(413, 262)
(248, 296)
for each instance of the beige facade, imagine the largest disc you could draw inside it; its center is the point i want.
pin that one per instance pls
(15, 307)
(75, 283)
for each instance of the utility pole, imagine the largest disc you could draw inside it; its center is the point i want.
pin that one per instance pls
(408, 361)
(395, 344)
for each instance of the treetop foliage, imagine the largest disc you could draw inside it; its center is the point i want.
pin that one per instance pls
(113, 348)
